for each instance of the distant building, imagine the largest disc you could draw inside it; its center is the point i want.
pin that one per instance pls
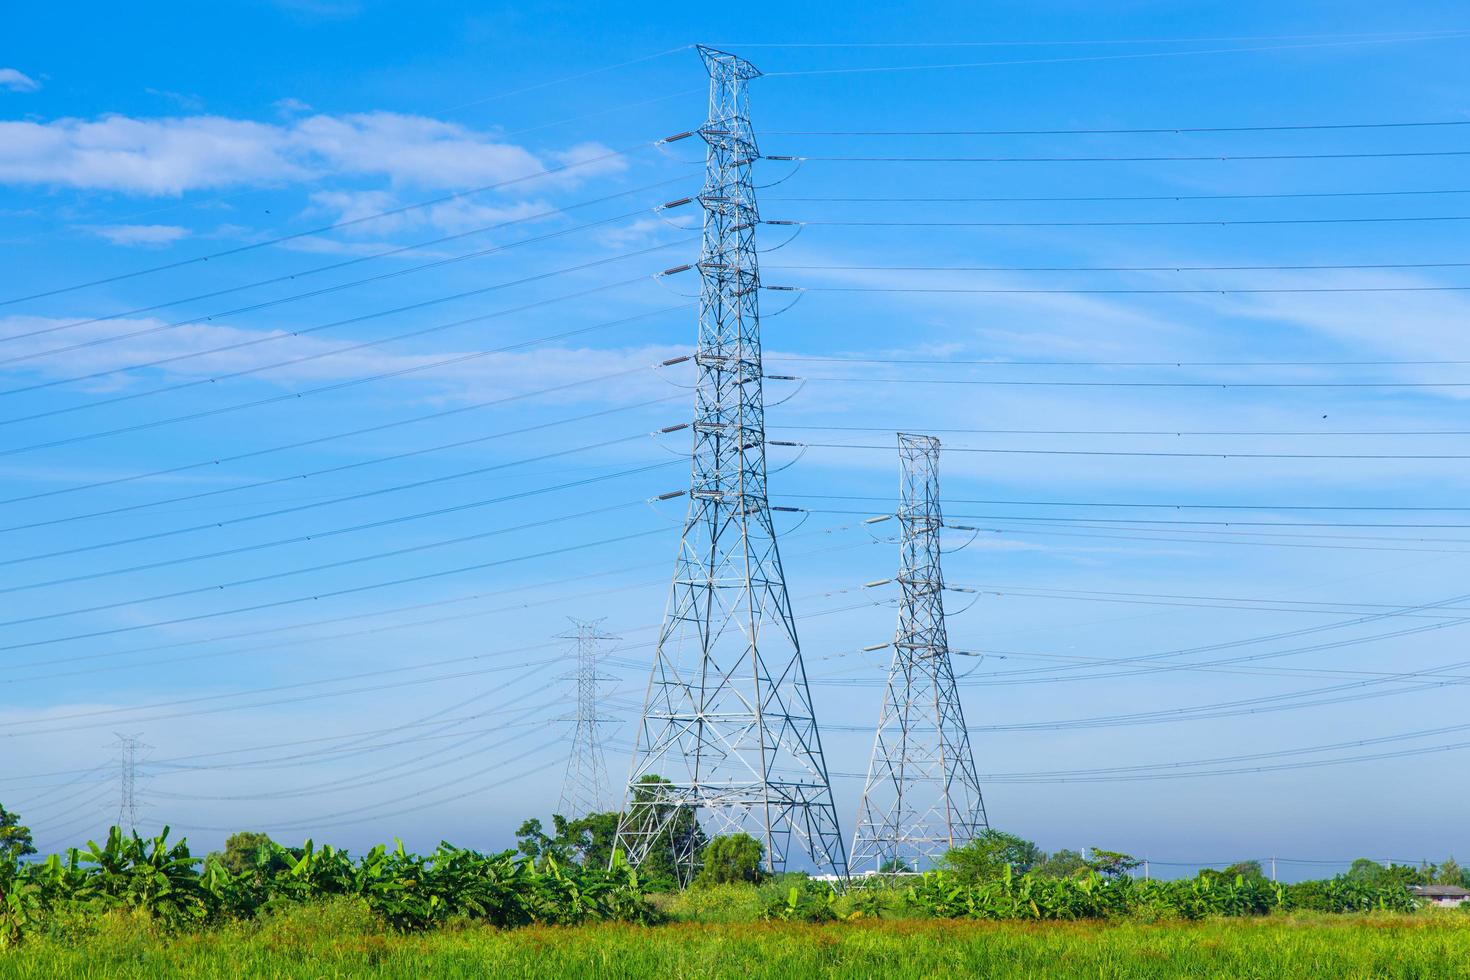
(1447, 895)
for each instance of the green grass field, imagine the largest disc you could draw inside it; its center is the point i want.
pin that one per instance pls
(340, 941)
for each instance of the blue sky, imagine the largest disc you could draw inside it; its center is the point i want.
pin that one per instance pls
(305, 490)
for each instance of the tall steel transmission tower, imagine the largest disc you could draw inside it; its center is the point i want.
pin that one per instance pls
(127, 779)
(922, 795)
(585, 787)
(728, 723)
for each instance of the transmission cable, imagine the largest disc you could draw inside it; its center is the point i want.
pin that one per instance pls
(580, 577)
(1284, 195)
(350, 383)
(198, 590)
(347, 263)
(335, 352)
(1215, 158)
(341, 467)
(1164, 131)
(318, 440)
(1130, 384)
(334, 593)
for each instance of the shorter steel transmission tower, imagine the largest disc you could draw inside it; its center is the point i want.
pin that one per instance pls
(127, 777)
(922, 795)
(585, 788)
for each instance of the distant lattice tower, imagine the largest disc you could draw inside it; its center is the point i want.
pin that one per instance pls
(585, 788)
(127, 778)
(922, 795)
(728, 721)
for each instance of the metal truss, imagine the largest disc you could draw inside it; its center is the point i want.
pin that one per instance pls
(922, 795)
(728, 726)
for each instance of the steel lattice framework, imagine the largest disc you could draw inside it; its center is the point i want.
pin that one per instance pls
(728, 718)
(922, 795)
(585, 787)
(127, 780)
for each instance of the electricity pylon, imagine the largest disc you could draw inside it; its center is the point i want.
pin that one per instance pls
(127, 779)
(728, 736)
(585, 787)
(922, 795)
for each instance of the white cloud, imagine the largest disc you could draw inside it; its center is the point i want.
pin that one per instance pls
(165, 156)
(17, 81)
(291, 106)
(469, 377)
(140, 235)
(460, 214)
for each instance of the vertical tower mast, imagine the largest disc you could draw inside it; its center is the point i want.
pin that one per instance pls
(728, 735)
(922, 795)
(585, 788)
(127, 778)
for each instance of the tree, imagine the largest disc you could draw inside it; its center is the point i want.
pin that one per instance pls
(731, 858)
(992, 851)
(1112, 864)
(1062, 864)
(15, 838)
(1245, 869)
(894, 866)
(1450, 873)
(587, 841)
(248, 850)
(681, 834)
(1373, 873)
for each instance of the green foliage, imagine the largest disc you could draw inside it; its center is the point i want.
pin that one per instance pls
(1062, 864)
(1094, 895)
(15, 839)
(800, 899)
(729, 859)
(337, 939)
(165, 883)
(990, 855)
(1111, 864)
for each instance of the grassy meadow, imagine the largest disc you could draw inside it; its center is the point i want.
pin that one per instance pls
(340, 939)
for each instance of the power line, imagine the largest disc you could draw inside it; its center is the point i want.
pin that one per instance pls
(1124, 223)
(335, 352)
(1215, 291)
(340, 468)
(1163, 505)
(394, 553)
(315, 441)
(1280, 605)
(1177, 433)
(333, 532)
(1122, 268)
(338, 385)
(1074, 42)
(1109, 57)
(355, 260)
(332, 594)
(581, 576)
(333, 501)
(1215, 158)
(978, 362)
(1165, 130)
(1133, 453)
(1137, 384)
(1287, 195)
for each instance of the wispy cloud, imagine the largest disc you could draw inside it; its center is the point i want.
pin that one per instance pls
(189, 103)
(146, 236)
(16, 80)
(465, 375)
(169, 156)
